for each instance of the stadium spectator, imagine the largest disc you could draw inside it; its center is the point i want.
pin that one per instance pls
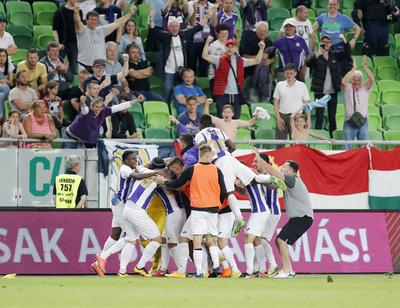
(76, 92)
(374, 16)
(92, 91)
(139, 73)
(217, 48)
(190, 152)
(356, 94)
(199, 10)
(106, 81)
(54, 103)
(39, 124)
(299, 210)
(303, 26)
(325, 67)
(91, 38)
(74, 195)
(37, 73)
(227, 124)
(174, 51)
(64, 33)
(260, 88)
(190, 118)
(229, 75)
(249, 48)
(292, 49)
(122, 123)
(289, 96)
(6, 80)
(13, 128)
(57, 69)
(86, 126)
(186, 89)
(109, 13)
(113, 67)
(254, 11)
(334, 23)
(131, 36)
(22, 96)
(175, 10)
(225, 16)
(6, 39)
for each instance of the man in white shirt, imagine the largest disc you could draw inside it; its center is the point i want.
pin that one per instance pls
(6, 39)
(303, 26)
(289, 96)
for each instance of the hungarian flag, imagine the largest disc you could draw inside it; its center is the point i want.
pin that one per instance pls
(384, 179)
(337, 181)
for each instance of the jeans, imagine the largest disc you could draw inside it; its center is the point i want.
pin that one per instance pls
(377, 36)
(169, 83)
(319, 113)
(4, 91)
(353, 133)
(71, 51)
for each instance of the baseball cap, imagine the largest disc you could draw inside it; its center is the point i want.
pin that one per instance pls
(288, 22)
(326, 36)
(231, 42)
(3, 18)
(99, 62)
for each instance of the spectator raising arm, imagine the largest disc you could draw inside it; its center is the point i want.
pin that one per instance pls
(122, 20)
(77, 19)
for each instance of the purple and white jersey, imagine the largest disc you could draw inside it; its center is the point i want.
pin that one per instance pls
(124, 182)
(257, 198)
(215, 138)
(271, 198)
(141, 191)
(230, 21)
(168, 199)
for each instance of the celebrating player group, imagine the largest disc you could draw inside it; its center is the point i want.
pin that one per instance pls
(203, 213)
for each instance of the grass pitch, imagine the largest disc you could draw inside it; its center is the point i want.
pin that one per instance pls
(112, 291)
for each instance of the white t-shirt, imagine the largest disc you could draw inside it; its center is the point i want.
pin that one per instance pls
(5, 42)
(91, 44)
(303, 29)
(170, 66)
(216, 48)
(291, 98)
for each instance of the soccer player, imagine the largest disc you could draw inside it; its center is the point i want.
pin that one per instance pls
(231, 168)
(207, 191)
(137, 222)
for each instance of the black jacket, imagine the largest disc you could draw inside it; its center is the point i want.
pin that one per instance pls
(319, 67)
(165, 38)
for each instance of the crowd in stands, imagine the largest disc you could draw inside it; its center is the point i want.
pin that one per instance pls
(223, 58)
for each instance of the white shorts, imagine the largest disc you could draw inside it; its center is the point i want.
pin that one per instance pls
(204, 223)
(137, 222)
(257, 223)
(225, 224)
(270, 228)
(118, 219)
(173, 225)
(231, 169)
(187, 229)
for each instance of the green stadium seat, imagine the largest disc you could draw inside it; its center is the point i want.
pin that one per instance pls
(42, 35)
(374, 96)
(392, 122)
(386, 68)
(19, 13)
(397, 40)
(375, 135)
(2, 10)
(173, 110)
(281, 4)
(348, 4)
(273, 35)
(138, 116)
(322, 3)
(339, 121)
(389, 91)
(389, 109)
(19, 56)
(392, 46)
(374, 122)
(157, 133)
(268, 134)
(391, 135)
(156, 114)
(202, 82)
(276, 16)
(22, 35)
(340, 109)
(245, 113)
(43, 12)
(359, 43)
(375, 110)
(243, 134)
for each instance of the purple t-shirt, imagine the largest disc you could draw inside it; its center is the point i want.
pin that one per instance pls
(86, 127)
(291, 50)
(228, 20)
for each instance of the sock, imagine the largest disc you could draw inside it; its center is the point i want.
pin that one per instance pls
(164, 257)
(148, 253)
(198, 260)
(228, 253)
(172, 253)
(249, 257)
(256, 264)
(126, 255)
(214, 253)
(118, 245)
(223, 260)
(109, 242)
(260, 256)
(234, 205)
(204, 264)
(263, 178)
(182, 256)
(269, 253)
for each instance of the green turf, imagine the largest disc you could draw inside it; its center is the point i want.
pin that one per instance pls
(304, 291)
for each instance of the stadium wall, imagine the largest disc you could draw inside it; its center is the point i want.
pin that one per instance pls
(40, 241)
